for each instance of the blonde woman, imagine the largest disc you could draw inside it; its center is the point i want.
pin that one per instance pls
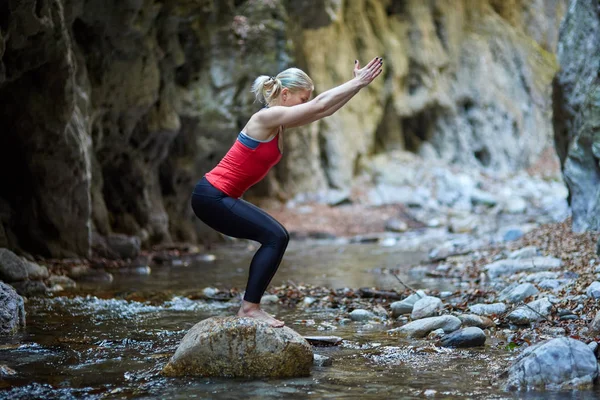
(216, 197)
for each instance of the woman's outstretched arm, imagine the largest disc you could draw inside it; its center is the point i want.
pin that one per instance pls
(324, 104)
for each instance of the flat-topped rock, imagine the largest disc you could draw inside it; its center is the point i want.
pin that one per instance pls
(240, 347)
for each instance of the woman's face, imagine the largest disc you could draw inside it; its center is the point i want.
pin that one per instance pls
(289, 98)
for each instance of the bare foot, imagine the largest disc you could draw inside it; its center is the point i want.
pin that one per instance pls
(253, 310)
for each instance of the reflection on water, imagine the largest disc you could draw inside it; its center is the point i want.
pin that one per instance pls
(83, 346)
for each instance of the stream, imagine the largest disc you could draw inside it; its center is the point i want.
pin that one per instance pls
(111, 339)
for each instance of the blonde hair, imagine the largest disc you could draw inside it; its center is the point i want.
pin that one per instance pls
(267, 88)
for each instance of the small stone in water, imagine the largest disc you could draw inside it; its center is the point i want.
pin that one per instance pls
(467, 337)
(210, 292)
(361, 315)
(322, 361)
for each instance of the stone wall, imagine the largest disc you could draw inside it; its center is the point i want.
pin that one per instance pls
(113, 109)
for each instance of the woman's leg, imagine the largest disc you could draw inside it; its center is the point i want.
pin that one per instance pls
(238, 218)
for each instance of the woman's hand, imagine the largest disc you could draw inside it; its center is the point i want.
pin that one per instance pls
(371, 71)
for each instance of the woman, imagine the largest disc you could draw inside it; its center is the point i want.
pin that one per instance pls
(216, 198)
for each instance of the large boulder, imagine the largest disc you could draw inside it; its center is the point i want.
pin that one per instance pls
(12, 310)
(554, 364)
(576, 116)
(12, 267)
(240, 347)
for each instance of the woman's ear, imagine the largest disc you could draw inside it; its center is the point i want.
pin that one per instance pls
(284, 93)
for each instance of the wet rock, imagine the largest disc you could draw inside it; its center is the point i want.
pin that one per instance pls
(421, 327)
(63, 281)
(593, 290)
(467, 337)
(361, 315)
(30, 288)
(428, 306)
(124, 246)
(518, 293)
(12, 310)
(406, 306)
(478, 321)
(6, 371)
(534, 311)
(554, 364)
(525, 252)
(323, 341)
(269, 299)
(322, 361)
(88, 274)
(12, 267)
(240, 347)
(35, 271)
(488, 309)
(510, 266)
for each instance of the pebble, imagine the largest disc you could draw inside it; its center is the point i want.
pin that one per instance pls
(428, 306)
(488, 309)
(593, 290)
(361, 315)
(467, 337)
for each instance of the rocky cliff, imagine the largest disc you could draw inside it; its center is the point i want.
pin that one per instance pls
(576, 94)
(111, 110)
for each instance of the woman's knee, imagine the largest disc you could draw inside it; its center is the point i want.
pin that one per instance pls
(280, 237)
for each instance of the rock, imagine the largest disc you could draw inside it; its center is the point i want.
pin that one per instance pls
(515, 205)
(549, 284)
(488, 309)
(594, 326)
(593, 290)
(240, 347)
(85, 273)
(323, 341)
(361, 315)
(510, 266)
(308, 301)
(63, 281)
(593, 347)
(124, 246)
(35, 272)
(396, 225)
(534, 311)
(467, 337)
(421, 327)
(538, 277)
(478, 321)
(484, 198)
(12, 267)
(209, 292)
(406, 306)
(322, 361)
(576, 111)
(436, 334)
(428, 306)
(12, 310)
(512, 234)
(269, 299)
(518, 293)
(30, 288)
(554, 364)
(525, 252)
(5, 371)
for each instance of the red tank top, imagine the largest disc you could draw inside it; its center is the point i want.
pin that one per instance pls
(245, 164)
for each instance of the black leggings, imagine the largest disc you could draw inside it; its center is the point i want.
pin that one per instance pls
(240, 219)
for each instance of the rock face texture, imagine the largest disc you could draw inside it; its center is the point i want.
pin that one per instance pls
(576, 103)
(12, 310)
(240, 347)
(112, 110)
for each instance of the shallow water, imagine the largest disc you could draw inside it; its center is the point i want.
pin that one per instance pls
(95, 344)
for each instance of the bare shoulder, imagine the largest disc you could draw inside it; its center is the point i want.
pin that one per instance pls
(256, 127)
